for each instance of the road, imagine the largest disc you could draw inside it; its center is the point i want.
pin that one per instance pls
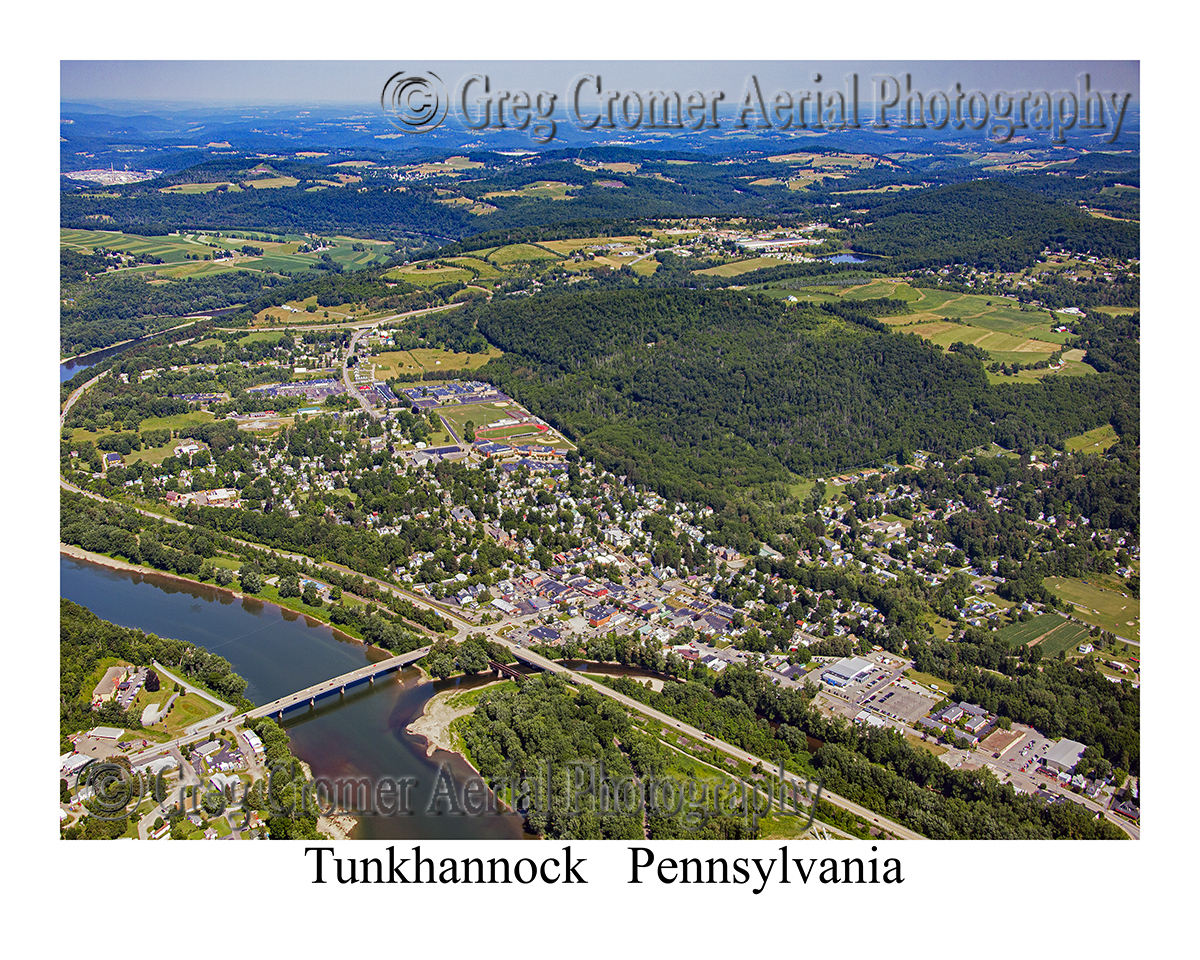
(552, 666)
(317, 689)
(346, 368)
(224, 710)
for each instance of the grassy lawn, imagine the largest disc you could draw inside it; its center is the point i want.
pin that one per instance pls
(430, 359)
(187, 710)
(935, 748)
(1102, 601)
(944, 686)
(1094, 441)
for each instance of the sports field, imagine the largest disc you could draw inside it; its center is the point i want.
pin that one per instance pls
(484, 415)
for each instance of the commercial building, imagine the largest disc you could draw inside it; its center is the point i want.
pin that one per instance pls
(1064, 755)
(847, 670)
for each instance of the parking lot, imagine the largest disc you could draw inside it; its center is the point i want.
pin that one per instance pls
(901, 703)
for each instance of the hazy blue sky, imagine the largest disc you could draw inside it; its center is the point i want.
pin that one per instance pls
(360, 82)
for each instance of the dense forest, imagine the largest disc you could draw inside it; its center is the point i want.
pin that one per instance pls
(986, 223)
(696, 393)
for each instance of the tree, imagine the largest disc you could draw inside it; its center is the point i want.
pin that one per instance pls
(289, 586)
(472, 657)
(152, 682)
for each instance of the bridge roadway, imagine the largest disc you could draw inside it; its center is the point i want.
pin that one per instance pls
(338, 685)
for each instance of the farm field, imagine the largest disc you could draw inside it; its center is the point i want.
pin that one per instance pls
(176, 251)
(193, 188)
(430, 275)
(451, 165)
(1102, 601)
(738, 267)
(542, 189)
(1065, 638)
(1022, 634)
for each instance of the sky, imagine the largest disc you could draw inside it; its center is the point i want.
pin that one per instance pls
(330, 82)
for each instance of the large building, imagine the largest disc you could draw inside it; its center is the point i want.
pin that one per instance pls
(847, 670)
(1064, 755)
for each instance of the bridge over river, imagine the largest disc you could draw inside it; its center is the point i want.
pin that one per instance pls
(337, 686)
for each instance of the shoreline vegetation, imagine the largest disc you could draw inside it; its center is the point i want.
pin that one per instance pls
(437, 718)
(78, 553)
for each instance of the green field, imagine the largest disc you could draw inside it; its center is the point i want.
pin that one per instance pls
(1020, 634)
(391, 362)
(1065, 638)
(521, 253)
(431, 359)
(486, 270)
(1103, 601)
(1094, 441)
(192, 188)
(739, 267)
(430, 275)
(543, 190)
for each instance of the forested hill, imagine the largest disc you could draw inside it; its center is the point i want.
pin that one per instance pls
(699, 392)
(986, 223)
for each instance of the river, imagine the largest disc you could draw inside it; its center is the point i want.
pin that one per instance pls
(277, 652)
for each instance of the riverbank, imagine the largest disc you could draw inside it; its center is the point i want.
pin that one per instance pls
(337, 826)
(77, 553)
(434, 724)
